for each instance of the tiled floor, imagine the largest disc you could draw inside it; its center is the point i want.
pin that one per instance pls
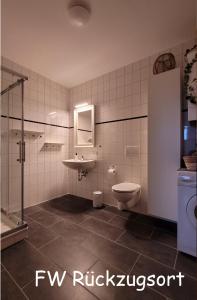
(68, 234)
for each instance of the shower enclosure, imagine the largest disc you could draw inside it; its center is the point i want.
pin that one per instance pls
(13, 226)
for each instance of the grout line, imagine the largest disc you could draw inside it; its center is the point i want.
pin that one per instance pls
(31, 244)
(92, 265)
(102, 236)
(12, 278)
(159, 293)
(39, 248)
(174, 266)
(137, 259)
(188, 275)
(27, 284)
(165, 244)
(99, 219)
(59, 221)
(123, 217)
(29, 214)
(49, 226)
(106, 263)
(151, 234)
(87, 217)
(122, 233)
(113, 217)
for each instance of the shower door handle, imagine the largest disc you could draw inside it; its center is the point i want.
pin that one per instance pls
(20, 152)
(23, 151)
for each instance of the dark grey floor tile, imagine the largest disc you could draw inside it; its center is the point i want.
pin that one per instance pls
(69, 204)
(187, 264)
(145, 219)
(39, 235)
(122, 213)
(66, 292)
(22, 260)
(138, 229)
(45, 218)
(119, 222)
(135, 228)
(165, 237)
(31, 210)
(148, 267)
(101, 214)
(64, 212)
(110, 292)
(69, 257)
(113, 254)
(102, 228)
(150, 248)
(72, 233)
(75, 218)
(157, 222)
(9, 290)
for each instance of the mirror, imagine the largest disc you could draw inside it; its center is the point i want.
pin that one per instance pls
(84, 126)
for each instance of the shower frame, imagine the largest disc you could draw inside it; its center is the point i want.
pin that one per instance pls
(18, 233)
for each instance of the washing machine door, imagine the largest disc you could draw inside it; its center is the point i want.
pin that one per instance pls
(192, 210)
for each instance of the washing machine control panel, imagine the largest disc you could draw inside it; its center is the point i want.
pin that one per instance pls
(187, 178)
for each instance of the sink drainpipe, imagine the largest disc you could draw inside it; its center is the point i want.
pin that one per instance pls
(82, 173)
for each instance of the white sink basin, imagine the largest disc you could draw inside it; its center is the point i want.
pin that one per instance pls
(78, 164)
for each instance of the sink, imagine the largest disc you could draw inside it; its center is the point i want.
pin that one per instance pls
(79, 164)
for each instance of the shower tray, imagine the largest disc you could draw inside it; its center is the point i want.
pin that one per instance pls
(10, 234)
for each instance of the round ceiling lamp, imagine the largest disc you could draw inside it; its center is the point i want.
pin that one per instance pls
(79, 14)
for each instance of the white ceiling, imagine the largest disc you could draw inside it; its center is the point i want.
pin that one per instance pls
(37, 35)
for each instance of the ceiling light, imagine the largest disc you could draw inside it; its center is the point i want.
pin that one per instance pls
(81, 105)
(79, 14)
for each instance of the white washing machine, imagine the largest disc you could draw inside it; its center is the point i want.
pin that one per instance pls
(187, 212)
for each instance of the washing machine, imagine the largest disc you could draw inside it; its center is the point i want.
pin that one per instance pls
(187, 212)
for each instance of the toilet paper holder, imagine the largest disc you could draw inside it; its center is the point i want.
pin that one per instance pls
(112, 170)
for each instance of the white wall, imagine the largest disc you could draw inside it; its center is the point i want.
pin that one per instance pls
(121, 94)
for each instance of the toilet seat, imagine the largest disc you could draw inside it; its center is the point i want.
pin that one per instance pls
(126, 187)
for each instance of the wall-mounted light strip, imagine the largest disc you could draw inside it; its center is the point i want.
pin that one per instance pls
(81, 105)
(52, 113)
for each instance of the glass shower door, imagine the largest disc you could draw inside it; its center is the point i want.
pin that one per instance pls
(12, 156)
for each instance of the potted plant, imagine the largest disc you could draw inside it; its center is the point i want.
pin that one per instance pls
(190, 82)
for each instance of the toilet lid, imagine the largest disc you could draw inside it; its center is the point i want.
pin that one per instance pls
(125, 187)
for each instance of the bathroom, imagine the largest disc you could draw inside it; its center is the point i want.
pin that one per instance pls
(57, 214)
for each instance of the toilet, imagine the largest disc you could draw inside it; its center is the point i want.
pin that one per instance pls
(127, 194)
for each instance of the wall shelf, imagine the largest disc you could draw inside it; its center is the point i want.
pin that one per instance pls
(31, 133)
(53, 144)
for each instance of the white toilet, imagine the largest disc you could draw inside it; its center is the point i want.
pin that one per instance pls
(127, 194)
